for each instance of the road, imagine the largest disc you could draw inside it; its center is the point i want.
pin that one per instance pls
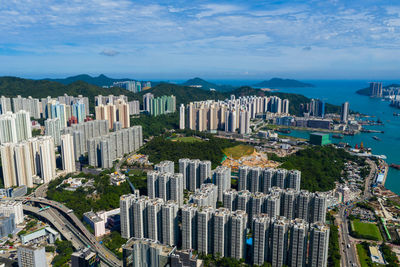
(69, 219)
(347, 247)
(56, 223)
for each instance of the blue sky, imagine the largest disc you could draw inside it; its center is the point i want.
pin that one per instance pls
(211, 39)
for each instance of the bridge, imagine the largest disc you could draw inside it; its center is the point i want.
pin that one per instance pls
(64, 218)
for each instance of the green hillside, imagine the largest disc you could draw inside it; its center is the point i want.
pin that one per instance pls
(13, 86)
(205, 85)
(101, 80)
(183, 94)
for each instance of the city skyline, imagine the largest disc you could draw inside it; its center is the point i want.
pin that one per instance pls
(216, 40)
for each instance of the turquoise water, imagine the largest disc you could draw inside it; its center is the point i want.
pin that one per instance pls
(337, 92)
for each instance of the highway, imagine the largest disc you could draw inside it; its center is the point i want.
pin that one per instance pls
(67, 218)
(347, 248)
(56, 223)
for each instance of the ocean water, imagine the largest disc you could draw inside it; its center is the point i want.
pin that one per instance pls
(336, 92)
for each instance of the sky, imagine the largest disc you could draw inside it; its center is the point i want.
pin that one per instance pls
(329, 39)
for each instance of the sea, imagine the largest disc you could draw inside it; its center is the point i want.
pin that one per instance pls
(337, 92)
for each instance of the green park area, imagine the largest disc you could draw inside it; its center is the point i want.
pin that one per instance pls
(365, 230)
(238, 151)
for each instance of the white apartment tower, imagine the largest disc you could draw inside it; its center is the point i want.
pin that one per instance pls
(67, 153)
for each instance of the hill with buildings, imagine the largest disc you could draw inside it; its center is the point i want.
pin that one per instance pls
(205, 85)
(13, 86)
(101, 80)
(367, 91)
(282, 83)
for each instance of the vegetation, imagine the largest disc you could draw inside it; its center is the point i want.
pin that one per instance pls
(64, 251)
(365, 230)
(282, 83)
(103, 196)
(211, 260)
(114, 242)
(154, 126)
(100, 80)
(160, 148)
(320, 166)
(238, 151)
(363, 254)
(13, 86)
(186, 139)
(205, 85)
(389, 255)
(334, 249)
(35, 132)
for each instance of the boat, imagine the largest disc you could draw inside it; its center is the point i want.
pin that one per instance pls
(286, 131)
(396, 114)
(376, 138)
(337, 136)
(379, 121)
(395, 166)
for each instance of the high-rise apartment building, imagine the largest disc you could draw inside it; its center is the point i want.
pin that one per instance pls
(182, 117)
(205, 224)
(195, 173)
(318, 207)
(376, 89)
(222, 179)
(165, 166)
(5, 105)
(279, 241)
(238, 224)
(31, 256)
(344, 112)
(298, 243)
(189, 226)
(67, 153)
(165, 185)
(52, 127)
(261, 233)
(162, 105)
(318, 245)
(9, 207)
(170, 229)
(145, 253)
(15, 127)
(147, 98)
(221, 237)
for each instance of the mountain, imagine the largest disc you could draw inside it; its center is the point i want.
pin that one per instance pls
(100, 80)
(186, 94)
(183, 94)
(282, 83)
(13, 86)
(205, 85)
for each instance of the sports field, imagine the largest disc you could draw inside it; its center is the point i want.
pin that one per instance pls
(238, 151)
(186, 139)
(366, 230)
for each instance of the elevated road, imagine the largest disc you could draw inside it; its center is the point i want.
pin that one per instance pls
(75, 225)
(56, 223)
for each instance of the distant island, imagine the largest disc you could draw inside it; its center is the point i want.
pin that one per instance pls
(101, 80)
(282, 83)
(205, 85)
